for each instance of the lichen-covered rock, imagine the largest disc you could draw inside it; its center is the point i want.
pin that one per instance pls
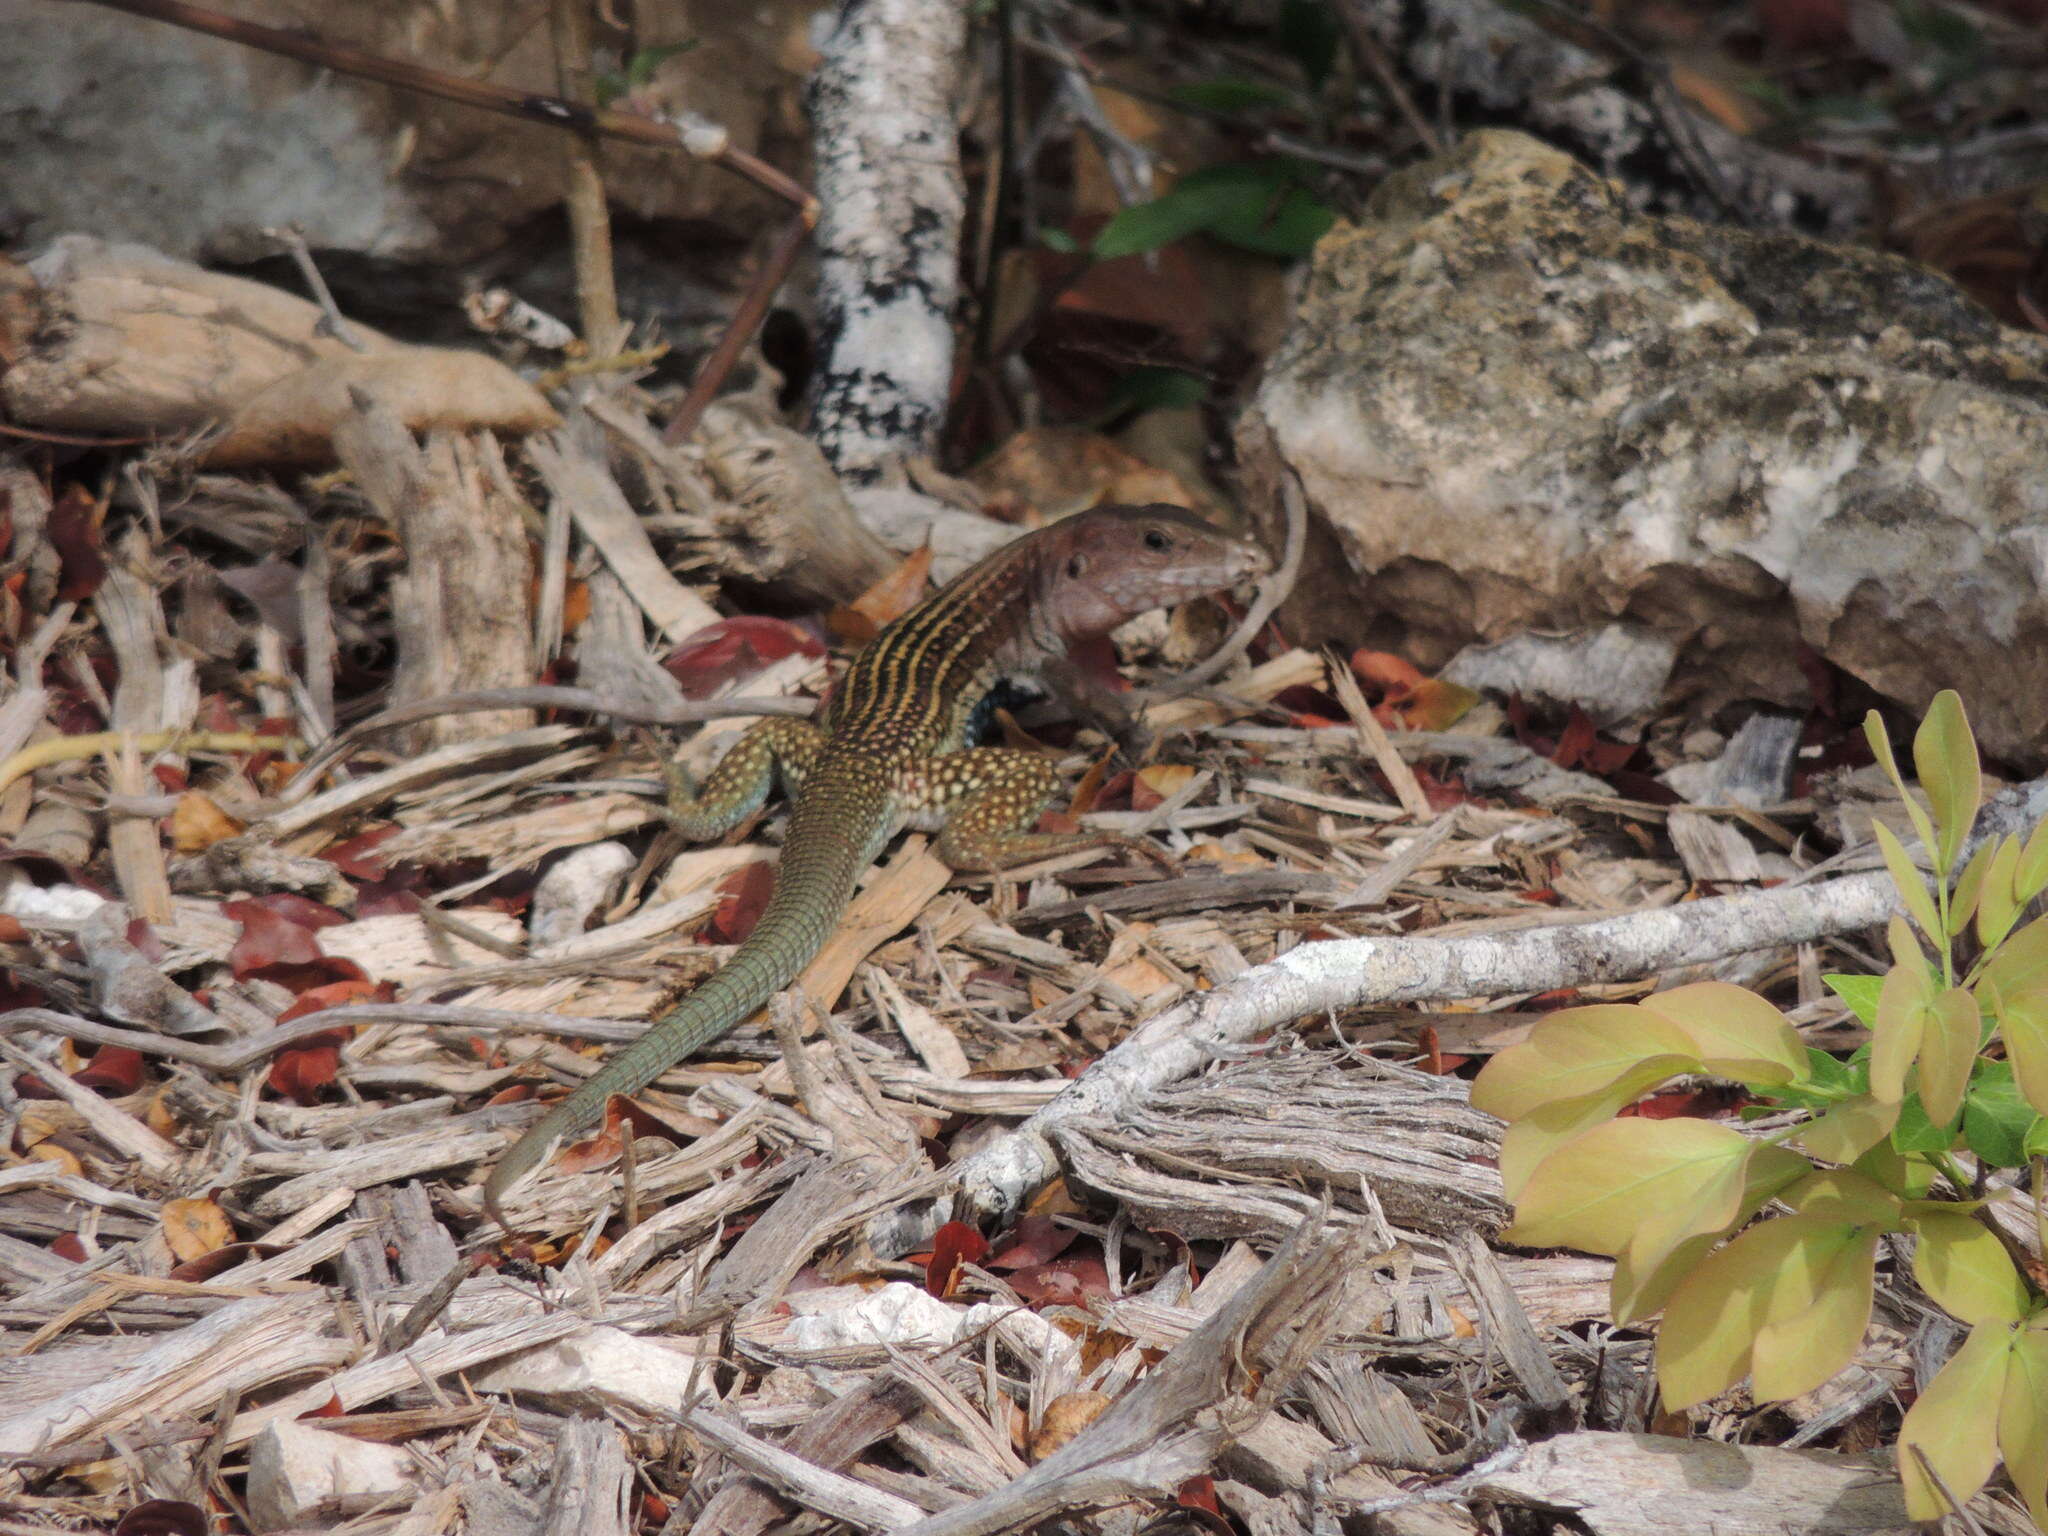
(1516, 404)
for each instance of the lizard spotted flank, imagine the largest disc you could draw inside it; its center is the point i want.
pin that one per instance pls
(893, 751)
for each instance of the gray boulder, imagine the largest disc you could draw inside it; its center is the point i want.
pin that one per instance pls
(1518, 405)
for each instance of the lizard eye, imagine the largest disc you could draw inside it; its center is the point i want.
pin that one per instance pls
(1156, 540)
(1077, 567)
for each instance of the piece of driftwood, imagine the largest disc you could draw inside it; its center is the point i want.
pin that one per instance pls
(465, 549)
(779, 519)
(122, 339)
(1654, 1485)
(1247, 1149)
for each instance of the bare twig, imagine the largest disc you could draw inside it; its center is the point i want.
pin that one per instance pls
(695, 137)
(1272, 593)
(590, 229)
(331, 323)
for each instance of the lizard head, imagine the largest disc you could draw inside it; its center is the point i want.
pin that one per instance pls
(1113, 563)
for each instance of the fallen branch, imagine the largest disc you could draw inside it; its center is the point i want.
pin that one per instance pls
(1351, 973)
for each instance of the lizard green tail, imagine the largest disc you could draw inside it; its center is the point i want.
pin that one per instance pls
(812, 887)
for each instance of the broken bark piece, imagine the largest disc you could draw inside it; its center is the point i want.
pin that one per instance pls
(298, 1473)
(123, 339)
(460, 609)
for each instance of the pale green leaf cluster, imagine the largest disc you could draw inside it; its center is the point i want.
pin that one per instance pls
(1956, 1068)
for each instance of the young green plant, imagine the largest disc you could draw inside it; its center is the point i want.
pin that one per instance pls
(1899, 1138)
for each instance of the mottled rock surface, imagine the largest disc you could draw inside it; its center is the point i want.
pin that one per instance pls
(1516, 404)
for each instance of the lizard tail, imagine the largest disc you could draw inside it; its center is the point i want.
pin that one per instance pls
(812, 887)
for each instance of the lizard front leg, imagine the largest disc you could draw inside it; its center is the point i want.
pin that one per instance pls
(990, 796)
(739, 785)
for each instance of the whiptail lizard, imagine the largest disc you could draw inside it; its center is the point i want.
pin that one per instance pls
(893, 751)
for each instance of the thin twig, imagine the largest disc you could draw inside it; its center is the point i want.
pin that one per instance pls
(1366, 50)
(590, 230)
(537, 696)
(694, 137)
(1272, 593)
(330, 323)
(746, 320)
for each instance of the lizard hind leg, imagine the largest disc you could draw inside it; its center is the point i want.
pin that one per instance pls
(991, 797)
(739, 785)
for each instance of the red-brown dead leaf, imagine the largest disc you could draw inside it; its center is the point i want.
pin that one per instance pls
(742, 897)
(884, 602)
(114, 1071)
(732, 649)
(1199, 1492)
(11, 930)
(355, 859)
(1034, 1240)
(331, 1409)
(1070, 1281)
(301, 1072)
(1386, 671)
(69, 1245)
(954, 1244)
(268, 938)
(74, 532)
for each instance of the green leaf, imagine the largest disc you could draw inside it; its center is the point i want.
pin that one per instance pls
(1286, 226)
(1798, 1351)
(1843, 1194)
(1945, 755)
(2023, 1419)
(1827, 1074)
(1908, 1177)
(1575, 1052)
(1147, 226)
(1912, 885)
(1547, 1127)
(1955, 1423)
(1997, 1119)
(1999, 905)
(1151, 388)
(2030, 875)
(1258, 205)
(1736, 1033)
(2021, 964)
(1969, 888)
(1056, 239)
(1712, 1318)
(1228, 94)
(1948, 1050)
(1964, 1269)
(1902, 1009)
(1849, 1129)
(2022, 1019)
(1881, 748)
(1644, 1277)
(1916, 1135)
(1603, 1190)
(1859, 992)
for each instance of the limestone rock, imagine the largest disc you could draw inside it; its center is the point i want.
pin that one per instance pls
(1516, 404)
